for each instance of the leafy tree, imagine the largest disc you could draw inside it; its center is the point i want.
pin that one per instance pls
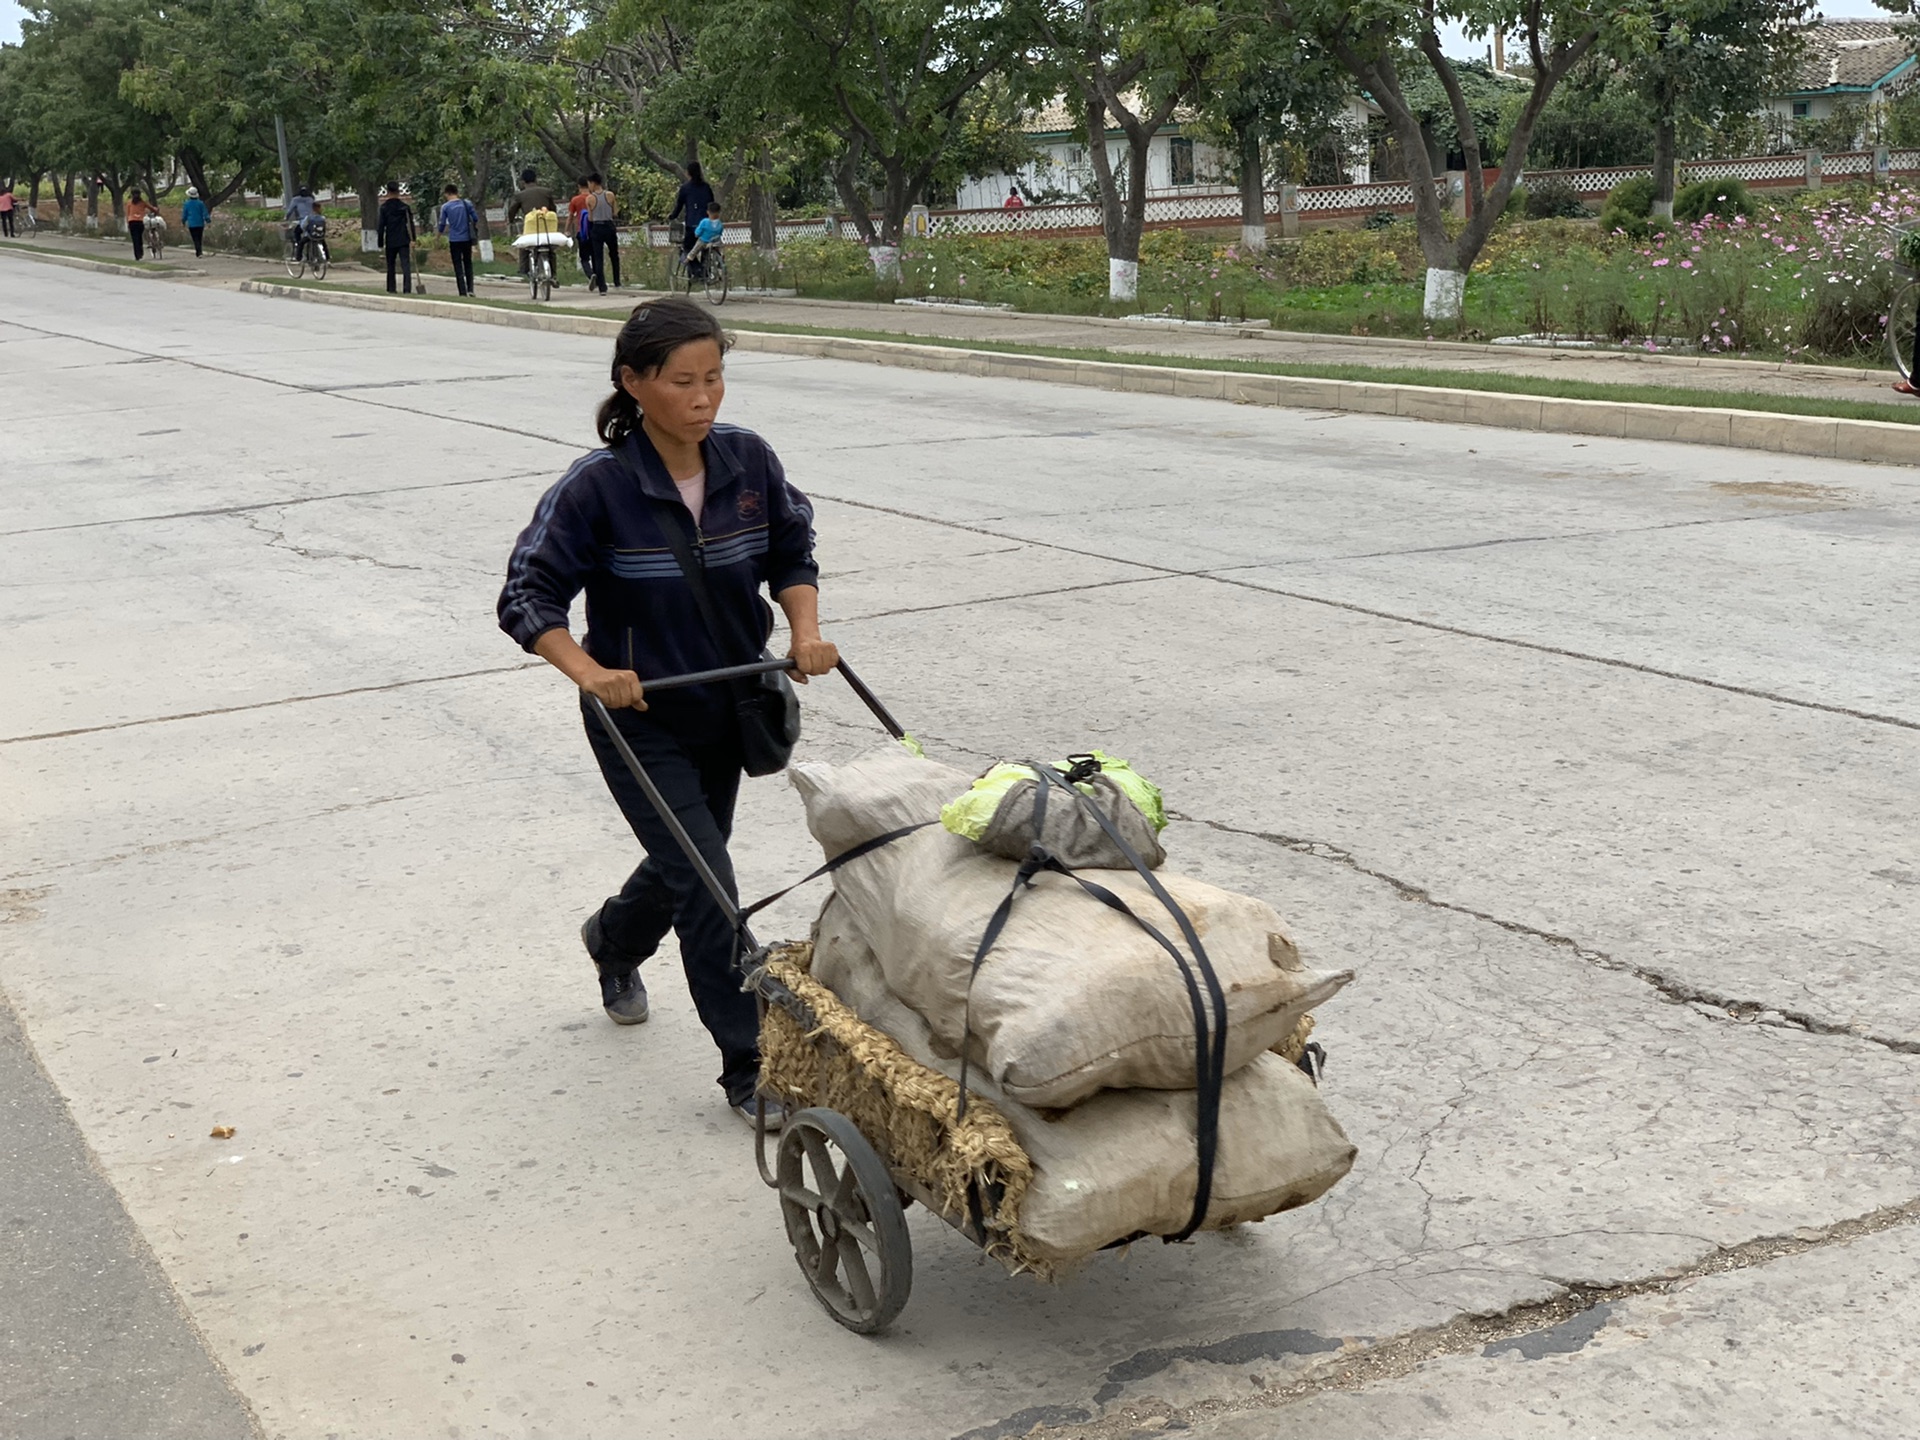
(1134, 62)
(1596, 117)
(1711, 58)
(1389, 45)
(1269, 89)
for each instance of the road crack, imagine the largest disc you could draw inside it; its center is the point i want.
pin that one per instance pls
(1676, 991)
(1576, 1314)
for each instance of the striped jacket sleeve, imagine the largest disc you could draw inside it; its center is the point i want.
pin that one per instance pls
(551, 560)
(789, 532)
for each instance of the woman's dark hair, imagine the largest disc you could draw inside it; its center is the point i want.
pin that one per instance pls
(695, 174)
(528, 176)
(135, 196)
(646, 342)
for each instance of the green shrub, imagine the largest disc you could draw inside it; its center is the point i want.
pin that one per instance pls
(1516, 206)
(1380, 220)
(1628, 205)
(1553, 198)
(1727, 199)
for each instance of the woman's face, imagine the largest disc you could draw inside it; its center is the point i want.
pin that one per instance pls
(681, 399)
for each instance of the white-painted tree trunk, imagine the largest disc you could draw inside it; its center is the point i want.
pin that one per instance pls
(886, 261)
(1123, 279)
(370, 240)
(1446, 293)
(1662, 210)
(1253, 238)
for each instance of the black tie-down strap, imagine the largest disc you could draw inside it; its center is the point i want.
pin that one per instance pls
(1210, 1031)
(865, 847)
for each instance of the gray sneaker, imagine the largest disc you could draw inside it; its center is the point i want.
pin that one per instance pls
(776, 1112)
(622, 994)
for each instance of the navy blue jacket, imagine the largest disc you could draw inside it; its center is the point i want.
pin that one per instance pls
(598, 530)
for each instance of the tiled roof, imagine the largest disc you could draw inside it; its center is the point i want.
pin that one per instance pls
(1856, 54)
(1057, 117)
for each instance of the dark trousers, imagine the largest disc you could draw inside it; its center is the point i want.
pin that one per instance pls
(404, 255)
(700, 782)
(599, 237)
(6, 222)
(462, 253)
(137, 230)
(198, 232)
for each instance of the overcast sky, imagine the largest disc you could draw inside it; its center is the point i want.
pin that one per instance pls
(10, 13)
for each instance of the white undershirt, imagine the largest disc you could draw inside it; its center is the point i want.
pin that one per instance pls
(693, 494)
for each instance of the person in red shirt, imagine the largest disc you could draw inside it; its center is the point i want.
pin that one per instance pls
(577, 224)
(137, 212)
(1013, 201)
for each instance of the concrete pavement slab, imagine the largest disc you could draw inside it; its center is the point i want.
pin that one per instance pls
(474, 1206)
(1821, 1343)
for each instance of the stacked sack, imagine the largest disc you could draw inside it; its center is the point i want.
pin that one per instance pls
(1080, 1029)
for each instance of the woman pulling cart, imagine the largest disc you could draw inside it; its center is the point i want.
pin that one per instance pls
(671, 530)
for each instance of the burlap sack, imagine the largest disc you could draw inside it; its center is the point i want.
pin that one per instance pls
(1124, 1161)
(1074, 998)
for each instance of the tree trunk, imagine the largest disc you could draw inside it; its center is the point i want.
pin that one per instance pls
(93, 204)
(367, 190)
(1253, 192)
(475, 176)
(1663, 157)
(763, 211)
(845, 184)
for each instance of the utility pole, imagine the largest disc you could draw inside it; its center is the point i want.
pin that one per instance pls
(286, 167)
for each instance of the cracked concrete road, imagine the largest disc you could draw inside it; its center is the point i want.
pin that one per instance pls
(1595, 759)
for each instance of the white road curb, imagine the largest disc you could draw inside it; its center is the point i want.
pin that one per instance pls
(1822, 436)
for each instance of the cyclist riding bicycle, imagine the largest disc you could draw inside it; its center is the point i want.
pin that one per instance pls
(706, 235)
(304, 220)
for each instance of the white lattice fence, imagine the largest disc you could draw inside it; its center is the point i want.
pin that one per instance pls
(1383, 195)
(1856, 163)
(740, 232)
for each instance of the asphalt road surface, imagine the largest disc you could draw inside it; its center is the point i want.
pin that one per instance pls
(1597, 760)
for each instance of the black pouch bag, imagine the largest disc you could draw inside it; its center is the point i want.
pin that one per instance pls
(767, 707)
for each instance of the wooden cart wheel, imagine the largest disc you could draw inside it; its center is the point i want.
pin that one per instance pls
(844, 1218)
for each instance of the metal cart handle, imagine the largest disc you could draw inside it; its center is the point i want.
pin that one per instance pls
(728, 905)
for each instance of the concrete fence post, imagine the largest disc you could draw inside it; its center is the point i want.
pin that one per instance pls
(1456, 196)
(1882, 165)
(1815, 164)
(1289, 210)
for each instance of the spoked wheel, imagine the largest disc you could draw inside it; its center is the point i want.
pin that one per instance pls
(844, 1218)
(320, 259)
(1903, 328)
(716, 280)
(291, 255)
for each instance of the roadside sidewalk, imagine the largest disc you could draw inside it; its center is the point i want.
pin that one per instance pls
(1868, 385)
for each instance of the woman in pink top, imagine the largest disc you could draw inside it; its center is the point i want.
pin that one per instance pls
(6, 211)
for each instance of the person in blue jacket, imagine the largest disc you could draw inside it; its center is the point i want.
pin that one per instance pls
(193, 215)
(460, 223)
(691, 201)
(600, 530)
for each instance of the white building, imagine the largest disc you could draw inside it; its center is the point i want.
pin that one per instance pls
(1177, 164)
(1866, 62)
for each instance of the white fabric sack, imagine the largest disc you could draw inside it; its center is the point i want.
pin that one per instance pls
(1124, 1161)
(1074, 997)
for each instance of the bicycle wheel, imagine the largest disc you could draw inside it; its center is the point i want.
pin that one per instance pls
(290, 254)
(1903, 324)
(716, 279)
(320, 259)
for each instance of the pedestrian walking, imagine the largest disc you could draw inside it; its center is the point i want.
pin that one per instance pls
(460, 223)
(600, 236)
(137, 211)
(690, 203)
(395, 233)
(7, 203)
(193, 215)
(531, 196)
(577, 225)
(670, 479)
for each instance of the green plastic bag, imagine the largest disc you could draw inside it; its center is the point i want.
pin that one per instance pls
(970, 815)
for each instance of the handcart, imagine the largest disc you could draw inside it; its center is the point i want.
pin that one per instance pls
(876, 1129)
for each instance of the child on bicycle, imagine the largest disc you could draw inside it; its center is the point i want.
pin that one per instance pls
(706, 234)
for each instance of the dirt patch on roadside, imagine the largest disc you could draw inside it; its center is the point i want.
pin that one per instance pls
(1783, 492)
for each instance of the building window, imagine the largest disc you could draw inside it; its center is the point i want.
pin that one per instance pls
(1799, 109)
(1180, 161)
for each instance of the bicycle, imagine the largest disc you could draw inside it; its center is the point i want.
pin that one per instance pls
(156, 236)
(1903, 316)
(541, 269)
(677, 258)
(712, 274)
(304, 248)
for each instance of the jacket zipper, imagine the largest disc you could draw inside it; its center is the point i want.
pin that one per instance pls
(629, 647)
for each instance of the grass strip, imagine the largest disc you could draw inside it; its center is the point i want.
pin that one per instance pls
(126, 262)
(1420, 376)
